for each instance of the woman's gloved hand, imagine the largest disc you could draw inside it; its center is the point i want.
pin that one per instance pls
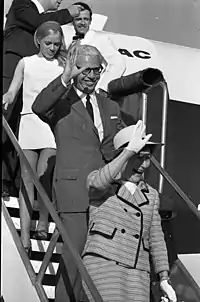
(138, 139)
(168, 291)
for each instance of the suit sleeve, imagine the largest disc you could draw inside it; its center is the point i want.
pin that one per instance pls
(158, 248)
(46, 101)
(116, 64)
(28, 18)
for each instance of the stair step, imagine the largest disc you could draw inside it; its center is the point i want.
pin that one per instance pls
(39, 247)
(50, 291)
(49, 280)
(40, 255)
(16, 221)
(12, 202)
(48, 236)
(14, 212)
(51, 269)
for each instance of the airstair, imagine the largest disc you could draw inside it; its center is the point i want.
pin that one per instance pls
(34, 279)
(39, 248)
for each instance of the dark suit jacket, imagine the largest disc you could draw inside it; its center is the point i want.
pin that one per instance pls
(23, 19)
(79, 150)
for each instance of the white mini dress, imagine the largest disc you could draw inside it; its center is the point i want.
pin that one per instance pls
(38, 73)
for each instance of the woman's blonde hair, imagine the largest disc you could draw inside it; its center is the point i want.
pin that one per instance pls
(44, 30)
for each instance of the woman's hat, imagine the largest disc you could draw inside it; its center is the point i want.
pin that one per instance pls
(123, 137)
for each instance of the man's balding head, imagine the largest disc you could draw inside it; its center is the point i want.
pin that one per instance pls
(87, 53)
(90, 57)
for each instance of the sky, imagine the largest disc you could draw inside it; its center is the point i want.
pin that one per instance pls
(172, 21)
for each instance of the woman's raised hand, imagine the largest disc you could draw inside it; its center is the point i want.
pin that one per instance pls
(138, 138)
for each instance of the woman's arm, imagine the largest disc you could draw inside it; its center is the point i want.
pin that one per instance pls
(28, 17)
(102, 178)
(15, 85)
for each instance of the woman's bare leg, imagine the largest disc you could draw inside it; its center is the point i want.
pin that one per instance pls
(26, 204)
(45, 167)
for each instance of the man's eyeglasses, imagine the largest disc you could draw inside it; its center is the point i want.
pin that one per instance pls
(96, 70)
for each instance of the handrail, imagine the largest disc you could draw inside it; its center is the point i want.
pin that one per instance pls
(163, 85)
(54, 215)
(144, 107)
(61, 228)
(176, 187)
(190, 279)
(47, 256)
(163, 132)
(23, 254)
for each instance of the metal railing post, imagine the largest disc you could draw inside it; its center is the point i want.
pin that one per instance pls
(144, 107)
(163, 133)
(47, 256)
(163, 85)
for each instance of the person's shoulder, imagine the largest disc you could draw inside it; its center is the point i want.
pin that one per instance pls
(98, 36)
(31, 58)
(113, 103)
(68, 31)
(152, 190)
(23, 3)
(105, 98)
(109, 103)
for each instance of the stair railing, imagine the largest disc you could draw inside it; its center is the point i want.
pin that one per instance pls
(163, 174)
(174, 185)
(37, 280)
(163, 85)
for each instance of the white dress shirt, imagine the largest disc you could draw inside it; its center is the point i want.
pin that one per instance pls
(39, 6)
(97, 117)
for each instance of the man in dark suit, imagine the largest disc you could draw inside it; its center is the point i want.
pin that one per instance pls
(84, 124)
(23, 19)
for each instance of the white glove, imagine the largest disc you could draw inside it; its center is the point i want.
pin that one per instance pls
(138, 139)
(168, 291)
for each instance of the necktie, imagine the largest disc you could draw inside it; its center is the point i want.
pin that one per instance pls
(89, 107)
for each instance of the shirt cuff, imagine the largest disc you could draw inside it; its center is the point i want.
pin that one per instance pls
(64, 84)
(164, 275)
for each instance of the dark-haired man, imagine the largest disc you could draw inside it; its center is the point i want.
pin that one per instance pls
(23, 18)
(113, 62)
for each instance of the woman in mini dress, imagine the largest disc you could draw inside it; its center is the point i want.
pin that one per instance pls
(35, 137)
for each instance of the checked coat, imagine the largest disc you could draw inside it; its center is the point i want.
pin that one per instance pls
(125, 230)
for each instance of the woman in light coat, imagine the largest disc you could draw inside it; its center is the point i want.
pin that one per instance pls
(125, 226)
